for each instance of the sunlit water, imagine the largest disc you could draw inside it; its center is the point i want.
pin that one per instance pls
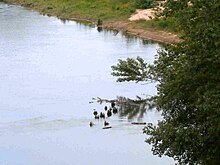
(49, 72)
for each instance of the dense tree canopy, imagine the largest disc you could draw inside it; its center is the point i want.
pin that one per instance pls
(188, 91)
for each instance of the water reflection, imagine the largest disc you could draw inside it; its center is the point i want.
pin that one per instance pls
(148, 42)
(99, 29)
(134, 109)
(48, 73)
(131, 108)
(64, 21)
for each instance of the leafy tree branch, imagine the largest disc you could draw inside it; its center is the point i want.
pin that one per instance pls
(188, 90)
(132, 70)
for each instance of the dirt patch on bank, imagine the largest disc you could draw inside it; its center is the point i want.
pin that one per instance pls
(149, 34)
(146, 15)
(127, 27)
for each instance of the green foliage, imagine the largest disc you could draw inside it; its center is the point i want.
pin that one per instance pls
(188, 90)
(168, 24)
(92, 10)
(131, 70)
(145, 4)
(86, 9)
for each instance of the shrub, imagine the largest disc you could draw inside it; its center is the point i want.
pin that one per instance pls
(145, 4)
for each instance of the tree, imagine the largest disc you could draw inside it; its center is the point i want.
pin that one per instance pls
(188, 90)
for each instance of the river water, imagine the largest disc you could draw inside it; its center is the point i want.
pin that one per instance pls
(49, 73)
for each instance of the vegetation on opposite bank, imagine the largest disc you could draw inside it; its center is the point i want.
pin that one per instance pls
(105, 10)
(188, 92)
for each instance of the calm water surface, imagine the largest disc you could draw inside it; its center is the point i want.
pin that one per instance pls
(49, 72)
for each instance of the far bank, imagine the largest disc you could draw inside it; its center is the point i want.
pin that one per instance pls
(113, 13)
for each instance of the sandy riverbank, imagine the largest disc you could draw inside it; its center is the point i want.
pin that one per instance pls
(150, 34)
(126, 26)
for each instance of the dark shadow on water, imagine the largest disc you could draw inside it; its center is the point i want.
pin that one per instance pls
(131, 108)
(148, 42)
(64, 21)
(87, 24)
(99, 29)
(134, 109)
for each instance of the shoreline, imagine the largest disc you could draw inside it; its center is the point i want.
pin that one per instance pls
(129, 28)
(126, 27)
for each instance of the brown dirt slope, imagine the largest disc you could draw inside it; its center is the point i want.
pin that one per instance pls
(127, 27)
(150, 34)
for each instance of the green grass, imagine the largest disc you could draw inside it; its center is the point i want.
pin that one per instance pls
(168, 24)
(89, 9)
(106, 10)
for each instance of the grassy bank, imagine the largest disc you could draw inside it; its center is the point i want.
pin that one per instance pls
(107, 10)
(113, 13)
